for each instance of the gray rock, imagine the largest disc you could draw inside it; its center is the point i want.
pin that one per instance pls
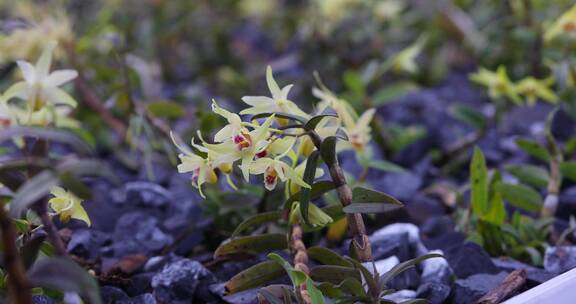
(433, 292)
(399, 229)
(469, 259)
(138, 232)
(401, 296)
(436, 270)
(146, 298)
(140, 284)
(111, 294)
(146, 194)
(475, 286)
(559, 259)
(86, 243)
(534, 276)
(402, 186)
(177, 282)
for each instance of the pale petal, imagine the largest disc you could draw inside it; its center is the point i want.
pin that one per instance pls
(284, 92)
(43, 64)
(257, 110)
(365, 119)
(259, 134)
(259, 166)
(80, 214)
(224, 133)
(60, 77)
(258, 101)
(28, 71)
(18, 89)
(59, 96)
(245, 166)
(272, 85)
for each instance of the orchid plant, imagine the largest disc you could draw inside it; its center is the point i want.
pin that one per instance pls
(277, 140)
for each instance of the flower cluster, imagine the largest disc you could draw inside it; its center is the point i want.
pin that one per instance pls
(267, 144)
(38, 100)
(499, 85)
(67, 205)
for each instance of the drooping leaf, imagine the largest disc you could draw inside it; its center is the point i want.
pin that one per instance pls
(521, 196)
(48, 134)
(88, 167)
(479, 183)
(533, 149)
(257, 219)
(166, 109)
(316, 296)
(467, 115)
(365, 195)
(75, 185)
(65, 275)
(308, 177)
(328, 150)
(530, 174)
(568, 169)
(371, 207)
(314, 121)
(254, 276)
(333, 274)
(297, 277)
(327, 256)
(253, 244)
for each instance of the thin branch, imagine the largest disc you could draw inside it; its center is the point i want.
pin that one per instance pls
(18, 283)
(41, 208)
(300, 260)
(511, 283)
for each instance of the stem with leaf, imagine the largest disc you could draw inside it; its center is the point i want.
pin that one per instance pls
(555, 180)
(360, 246)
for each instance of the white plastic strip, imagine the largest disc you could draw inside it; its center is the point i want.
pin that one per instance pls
(559, 290)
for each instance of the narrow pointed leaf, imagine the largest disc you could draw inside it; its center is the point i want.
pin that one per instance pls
(333, 274)
(327, 256)
(370, 207)
(305, 193)
(255, 220)
(533, 148)
(479, 183)
(365, 195)
(314, 121)
(254, 276)
(252, 244)
(398, 269)
(328, 150)
(48, 134)
(521, 196)
(529, 174)
(318, 189)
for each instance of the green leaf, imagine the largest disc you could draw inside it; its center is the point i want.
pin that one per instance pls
(29, 251)
(533, 148)
(254, 276)
(257, 219)
(479, 183)
(63, 274)
(31, 192)
(328, 150)
(253, 244)
(318, 189)
(327, 257)
(333, 274)
(314, 121)
(496, 211)
(530, 174)
(72, 183)
(309, 174)
(316, 296)
(48, 134)
(365, 195)
(398, 269)
(272, 299)
(166, 109)
(568, 169)
(297, 277)
(468, 115)
(370, 207)
(385, 166)
(89, 167)
(521, 196)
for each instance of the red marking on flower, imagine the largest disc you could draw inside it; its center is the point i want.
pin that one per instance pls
(242, 142)
(569, 27)
(270, 179)
(261, 154)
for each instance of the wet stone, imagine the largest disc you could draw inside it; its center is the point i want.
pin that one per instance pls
(469, 259)
(146, 298)
(138, 232)
(178, 282)
(111, 294)
(86, 243)
(42, 299)
(559, 259)
(534, 276)
(436, 270)
(401, 296)
(147, 194)
(433, 292)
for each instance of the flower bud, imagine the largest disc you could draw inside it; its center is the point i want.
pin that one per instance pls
(316, 217)
(226, 168)
(211, 177)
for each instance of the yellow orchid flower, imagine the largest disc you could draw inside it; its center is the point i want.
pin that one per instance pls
(346, 114)
(565, 25)
(316, 216)
(40, 87)
(359, 133)
(274, 169)
(67, 205)
(234, 126)
(277, 103)
(202, 168)
(533, 89)
(405, 60)
(244, 146)
(498, 83)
